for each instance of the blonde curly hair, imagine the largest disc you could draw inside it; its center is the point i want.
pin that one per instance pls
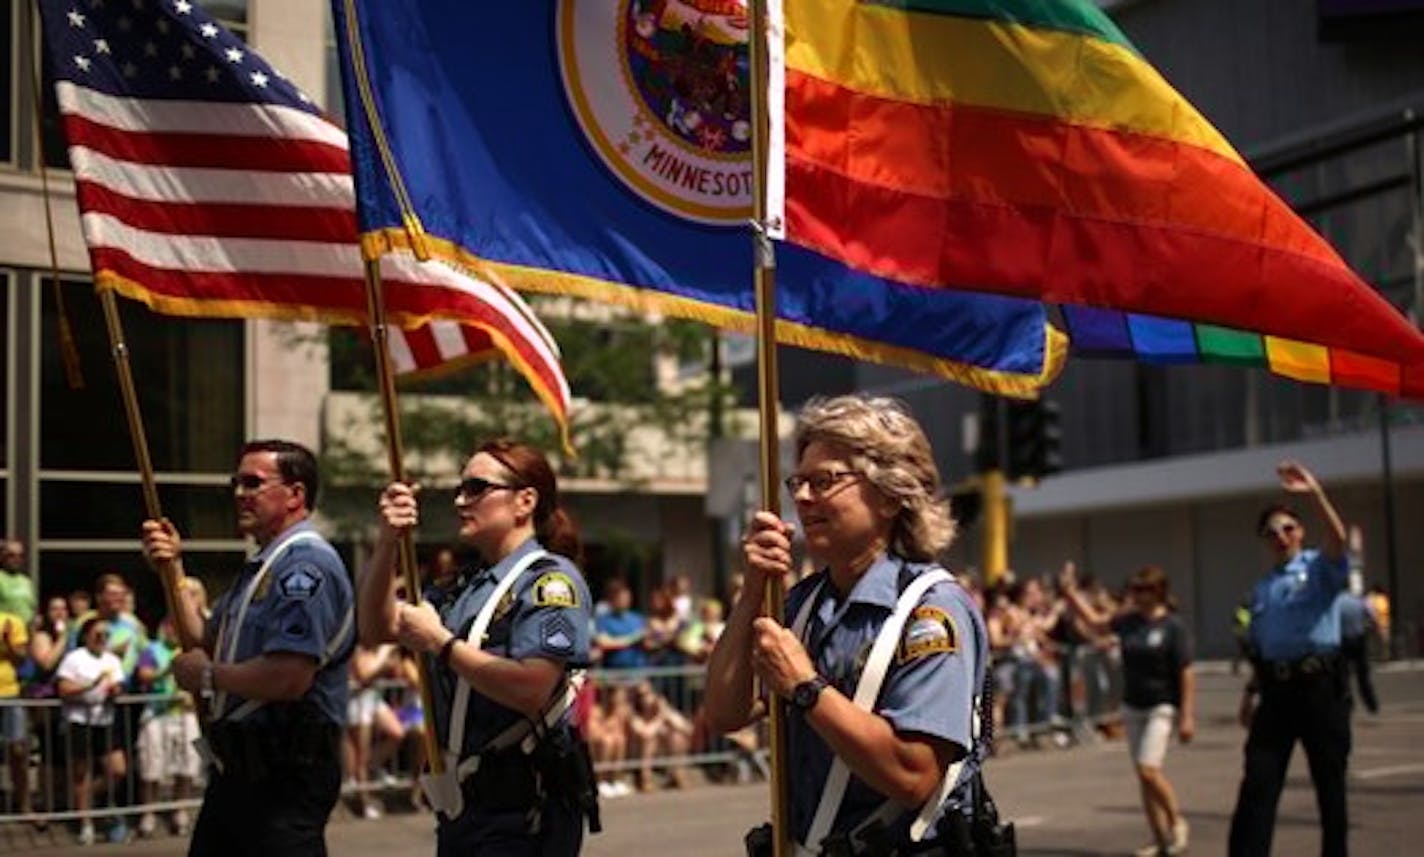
(890, 449)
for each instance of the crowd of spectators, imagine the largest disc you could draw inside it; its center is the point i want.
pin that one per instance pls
(1055, 677)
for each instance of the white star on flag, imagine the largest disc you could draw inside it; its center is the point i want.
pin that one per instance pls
(259, 79)
(234, 55)
(76, 19)
(82, 62)
(183, 7)
(101, 46)
(209, 31)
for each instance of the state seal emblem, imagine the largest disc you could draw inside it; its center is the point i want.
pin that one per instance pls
(661, 91)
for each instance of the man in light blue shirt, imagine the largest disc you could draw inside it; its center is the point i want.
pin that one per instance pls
(1299, 679)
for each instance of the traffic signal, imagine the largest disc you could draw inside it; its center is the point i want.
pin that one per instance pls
(1035, 439)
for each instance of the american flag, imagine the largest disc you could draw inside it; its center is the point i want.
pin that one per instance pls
(210, 185)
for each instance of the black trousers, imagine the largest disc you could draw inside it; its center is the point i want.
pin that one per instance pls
(1314, 710)
(284, 814)
(1357, 656)
(508, 834)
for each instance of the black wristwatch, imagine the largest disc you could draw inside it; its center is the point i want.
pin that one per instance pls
(805, 694)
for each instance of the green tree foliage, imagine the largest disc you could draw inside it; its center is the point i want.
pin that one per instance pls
(610, 368)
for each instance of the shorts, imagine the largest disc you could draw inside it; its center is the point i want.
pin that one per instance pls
(14, 725)
(1148, 732)
(361, 709)
(165, 747)
(85, 742)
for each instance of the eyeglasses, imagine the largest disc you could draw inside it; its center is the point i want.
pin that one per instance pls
(249, 483)
(474, 487)
(1279, 531)
(820, 482)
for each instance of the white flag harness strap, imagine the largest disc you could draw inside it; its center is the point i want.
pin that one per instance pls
(867, 691)
(226, 653)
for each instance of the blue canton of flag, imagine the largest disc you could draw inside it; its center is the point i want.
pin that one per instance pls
(160, 49)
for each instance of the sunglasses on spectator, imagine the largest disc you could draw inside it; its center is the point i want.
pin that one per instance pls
(820, 482)
(474, 487)
(249, 482)
(1279, 530)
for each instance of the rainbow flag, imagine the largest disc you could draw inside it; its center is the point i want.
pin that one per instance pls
(602, 150)
(1025, 148)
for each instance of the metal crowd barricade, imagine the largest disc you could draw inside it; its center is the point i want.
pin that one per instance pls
(54, 757)
(1094, 698)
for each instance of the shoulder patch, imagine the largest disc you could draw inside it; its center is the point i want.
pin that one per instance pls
(557, 634)
(928, 630)
(555, 589)
(300, 583)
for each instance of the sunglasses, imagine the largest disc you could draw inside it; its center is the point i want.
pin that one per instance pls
(1278, 531)
(248, 482)
(474, 487)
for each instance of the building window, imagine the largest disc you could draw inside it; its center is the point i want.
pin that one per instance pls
(335, 96)
(189, 377)
(8, 80)
(7, 342)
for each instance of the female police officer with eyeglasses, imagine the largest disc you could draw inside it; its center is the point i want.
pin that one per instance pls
(503, 640)
(868, 498)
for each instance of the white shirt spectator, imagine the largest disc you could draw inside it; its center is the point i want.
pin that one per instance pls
(92, 707)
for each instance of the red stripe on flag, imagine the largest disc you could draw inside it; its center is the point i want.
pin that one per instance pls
(477, 341)
(421, 342)
(226, 220)
(285, 295)
(215, 151)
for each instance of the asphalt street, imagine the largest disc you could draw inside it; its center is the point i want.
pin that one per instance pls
(1080, 801)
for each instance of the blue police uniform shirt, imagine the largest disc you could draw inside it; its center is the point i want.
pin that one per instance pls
(929, 688)
(301, 605)
(1294, 608)
(546, 614)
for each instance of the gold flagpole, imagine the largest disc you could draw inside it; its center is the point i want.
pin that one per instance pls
(167, 572)
(385, 373)
(768, 396)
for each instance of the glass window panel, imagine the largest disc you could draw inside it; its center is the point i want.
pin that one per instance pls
(56, 152)
(8, 76)
(103, 510)
(62, 572)
(189, 376)
(6, 344)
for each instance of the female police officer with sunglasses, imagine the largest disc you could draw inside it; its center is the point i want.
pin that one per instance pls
(502, 642)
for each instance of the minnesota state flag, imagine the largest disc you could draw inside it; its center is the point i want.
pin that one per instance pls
(602, 149)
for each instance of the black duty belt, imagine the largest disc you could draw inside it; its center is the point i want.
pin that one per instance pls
(1310, 666)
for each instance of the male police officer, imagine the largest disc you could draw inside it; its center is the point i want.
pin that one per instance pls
(1299, 677)
(269, 664)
